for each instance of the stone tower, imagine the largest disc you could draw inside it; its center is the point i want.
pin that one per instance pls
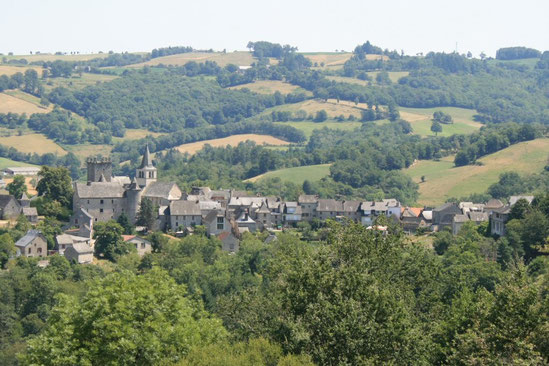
(146, 173)
(133, 200)
(98, 167)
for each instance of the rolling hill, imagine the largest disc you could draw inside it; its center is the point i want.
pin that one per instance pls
(420, 119)
(297, 175)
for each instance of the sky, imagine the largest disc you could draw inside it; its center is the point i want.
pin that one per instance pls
(313, 26)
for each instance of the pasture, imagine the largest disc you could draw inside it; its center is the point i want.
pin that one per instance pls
(239, 58)
(29, 182)
(420, 119)
(308, 126)
(7, 163)
(297, 175)
(334, 60)
(33, 143)
(443, 180)
(85, 150)
(52, 57)
(331, 106)
(233, 140)
(270, 87)
(78, 81)
(9, 70)
(136, 134)
(393, 75)
(19, 102)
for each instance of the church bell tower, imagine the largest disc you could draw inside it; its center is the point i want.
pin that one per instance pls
(146, 173)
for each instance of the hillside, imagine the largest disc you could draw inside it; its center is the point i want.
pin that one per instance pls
(19, 102)
(270, 87)
(33, 143)
(231, 141)
(421, 120)
(239, 58)
(443, 180)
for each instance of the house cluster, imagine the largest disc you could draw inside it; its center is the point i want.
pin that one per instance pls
(11, 208)
(227, 214)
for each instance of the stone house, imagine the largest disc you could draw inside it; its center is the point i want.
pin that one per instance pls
(230, 242)
(142, 245)
(184, 214)
(216, 222)
(291, 213)
(498, 219)
(263, 217)
(351, 210)
(308, 203)
(30, 213)
(328, 209)
(80, 253)
(9, 207)
(411, 219)
(32, 244)
(444, 215)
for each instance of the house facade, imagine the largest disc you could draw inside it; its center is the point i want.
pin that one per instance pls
(32, 244)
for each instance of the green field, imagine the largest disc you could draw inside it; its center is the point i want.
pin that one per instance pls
(530, 62)
(5, 163)
(308, 126)
(297, 175)
(271, 87)
(443, 180)
(420, 119)
(78, 81)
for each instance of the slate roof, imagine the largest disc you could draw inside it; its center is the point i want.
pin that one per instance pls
(330, 205)
(373, 205)
(478, 216)
(263, 209)
(28, 238)
(493, 203)
(514, 199)
(446, 206)
(147, 160)
(461, 218)
(184, 208)
(307, 198)
(30, 211)
(99, 190)
(159, 189)
(351, 206)
(63, 239)
(5, 199)
(391, 202)
(210, 217)
(24, 197)
(81, 248)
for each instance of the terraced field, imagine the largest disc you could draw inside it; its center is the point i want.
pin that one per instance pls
(443, 180)
(297, 175)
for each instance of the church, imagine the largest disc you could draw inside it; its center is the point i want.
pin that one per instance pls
(105, 197)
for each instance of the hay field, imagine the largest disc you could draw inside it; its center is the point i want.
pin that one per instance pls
(297, 175)
(335, 60)
(233, 140)
(52, 57)
(443, 180)
(239, 58)
(9, 70)
(393, 75)
(420, 119)
(136, 134)
(331, 106)
(32, 143)
(270, 87)
(85, 150)
(9, 103)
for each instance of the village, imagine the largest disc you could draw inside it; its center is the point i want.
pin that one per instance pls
(226, 214)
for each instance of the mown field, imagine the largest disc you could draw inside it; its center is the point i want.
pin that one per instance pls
(32, 143)
(234, 140)
(421, 120)
(9, 70)
(239, 58)
(331, 106)
(270, 87)
(297, 175)
(16, 101)
(85, 150)
(334, 60)
(136, 134)
(443, 180)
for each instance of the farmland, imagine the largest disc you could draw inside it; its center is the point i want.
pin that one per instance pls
(234, 140)
(12, 69)
(297, 175)
(52, 57)
(393, 75)
(5, 163)
(334, 60)
(85, 150)
(270, 87)
(32, 143)
(443, 180)
(20, 103)
(332, 108)
(308, 126)
(420, 119)
(78, 81)
(239, 58)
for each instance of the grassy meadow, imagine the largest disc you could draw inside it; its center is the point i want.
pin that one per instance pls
(331, 106)
(270, 87)
(297, 175)
(239, 58)
(9, 70)
(443, 180)
(16, 101)
(33, 143)
(421, 120)
(308, 126)
(78, 81)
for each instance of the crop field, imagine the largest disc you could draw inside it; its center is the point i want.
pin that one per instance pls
(443, 180)
(78, 82)
(420, 119)
(233, 140)
(20, 103)
(297, 175)
(9, 70)
(32, 143)
(308, 126)
(270, 87)
(239, 58)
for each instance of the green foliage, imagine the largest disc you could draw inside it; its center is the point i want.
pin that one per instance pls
(124, 319)
(108, 241)
(442, 117)
(124, 221)
(7, 249)
(17, 187)
(147, 214)
(436, 127)
(56, 185)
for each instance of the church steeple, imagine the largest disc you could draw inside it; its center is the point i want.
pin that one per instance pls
(146, 173)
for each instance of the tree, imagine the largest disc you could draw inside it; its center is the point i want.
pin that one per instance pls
(321, 116)
(17, 187)
(436, 127)
(158, 241)
(124, 221)
(125, 319)
(55, 184)
(108, 241)
(146, 215)
(394, 114)
(7, 249)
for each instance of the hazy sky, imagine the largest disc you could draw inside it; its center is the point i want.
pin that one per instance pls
(139, 25)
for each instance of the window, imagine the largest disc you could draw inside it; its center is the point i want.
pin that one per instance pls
(112, 201)
(220, 220)
(101, 201)
(75, 221)
(88, 202)
(100, 210)
(142, 245)
(62, 246)
(39, 250)
(220, 226)
(29, 251)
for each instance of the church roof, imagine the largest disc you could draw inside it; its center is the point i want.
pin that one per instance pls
(147, 159)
